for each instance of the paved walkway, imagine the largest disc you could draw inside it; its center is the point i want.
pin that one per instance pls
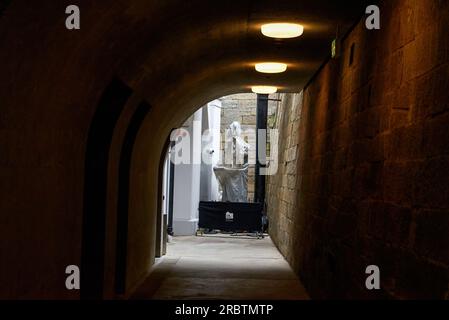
(222, 267)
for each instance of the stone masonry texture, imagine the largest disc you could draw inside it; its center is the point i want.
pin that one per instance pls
(364, 162)
(243, 108)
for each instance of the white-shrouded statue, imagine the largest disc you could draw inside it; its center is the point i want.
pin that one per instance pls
(233, 176)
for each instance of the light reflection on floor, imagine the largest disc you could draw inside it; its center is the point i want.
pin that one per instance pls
(222, 267)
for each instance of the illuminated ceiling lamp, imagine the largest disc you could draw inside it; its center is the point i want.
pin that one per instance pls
(282, 30)
(271, 67)
(264, 89)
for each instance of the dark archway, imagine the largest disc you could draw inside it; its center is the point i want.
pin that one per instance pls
(99, 140)
(123, 195)
(162, 228)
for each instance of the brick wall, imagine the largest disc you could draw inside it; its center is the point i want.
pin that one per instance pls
(369, 180)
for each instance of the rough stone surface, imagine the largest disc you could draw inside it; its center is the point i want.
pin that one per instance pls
(51, 81)
(243, 108)
(175, 55)
(371, 177)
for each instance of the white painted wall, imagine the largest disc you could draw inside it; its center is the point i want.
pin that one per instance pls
(211, 142)
(187, 183)
(196, 181)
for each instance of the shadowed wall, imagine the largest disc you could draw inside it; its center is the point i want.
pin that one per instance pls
(364, 173)
(371, 169)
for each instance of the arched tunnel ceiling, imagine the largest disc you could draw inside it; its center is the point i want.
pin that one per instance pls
(174, 53)
(164, 47)
(202, 42)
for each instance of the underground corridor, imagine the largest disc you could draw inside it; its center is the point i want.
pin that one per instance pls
(224, 150)
(216, 244)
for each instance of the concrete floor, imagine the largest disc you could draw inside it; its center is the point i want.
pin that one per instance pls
(221, 267)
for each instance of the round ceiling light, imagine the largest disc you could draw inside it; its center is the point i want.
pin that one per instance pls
(282, 30)
(271, 67)
(264, 89)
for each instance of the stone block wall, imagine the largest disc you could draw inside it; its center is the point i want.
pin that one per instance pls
(364, 175)
(243, 108)
(282, 189)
